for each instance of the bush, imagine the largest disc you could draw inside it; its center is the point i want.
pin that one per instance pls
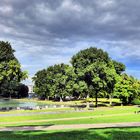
(136, 102)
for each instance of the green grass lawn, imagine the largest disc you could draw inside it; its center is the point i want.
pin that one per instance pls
(99, 115)
(113, 119)
(83, 134)
(84, 113)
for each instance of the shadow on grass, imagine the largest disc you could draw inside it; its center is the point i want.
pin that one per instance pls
(132, 133)
(29, 126)
(113, 103)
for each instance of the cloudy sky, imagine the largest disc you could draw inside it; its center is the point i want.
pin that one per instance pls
(46, 32)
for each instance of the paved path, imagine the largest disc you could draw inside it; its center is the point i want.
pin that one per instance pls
(73, 126)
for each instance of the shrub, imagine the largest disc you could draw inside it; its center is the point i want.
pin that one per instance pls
(136, 102)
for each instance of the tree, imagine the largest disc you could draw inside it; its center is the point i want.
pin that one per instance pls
(122, 88)
(127, 88)
(113, 73)
(62, 76)
(135, 89)
(10, 70)
(85, 62)
(41, 84)
(111, 78)
(100, 76)
(55, 81)
(93, 73)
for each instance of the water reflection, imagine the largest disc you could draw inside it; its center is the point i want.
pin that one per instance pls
(23, 104)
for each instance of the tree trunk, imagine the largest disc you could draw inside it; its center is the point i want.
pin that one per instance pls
(10, 96)
(110, 99)
(87, 106)
(61, 100)
(48, 98)
(96, 100)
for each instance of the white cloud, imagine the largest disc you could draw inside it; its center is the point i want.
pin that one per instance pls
(70, 5)
(6, 10)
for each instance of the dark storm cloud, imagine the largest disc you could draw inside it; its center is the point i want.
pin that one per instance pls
(53, 30)
(102, 19)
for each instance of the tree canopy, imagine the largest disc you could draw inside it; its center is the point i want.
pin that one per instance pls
(96, 68)
(10, 70)
(92, 74)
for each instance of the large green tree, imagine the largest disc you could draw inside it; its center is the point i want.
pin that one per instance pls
(100, 77)
(93, 72)
(84, 62)
(59, 77)
(127, 88)
(55, 81)
(97, 70)
(10, 70)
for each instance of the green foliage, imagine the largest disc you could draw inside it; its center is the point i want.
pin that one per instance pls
(10, 70)
(61, 80)
(96, 69)
(136, 102)
(88, 56)
(41, 85)
(93, 74)
(55, 81)
(127, 88)
(80, 89)
(119, 67)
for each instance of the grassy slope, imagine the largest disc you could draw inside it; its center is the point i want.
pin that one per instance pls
(85, 134)
(98, 111)
(114, 119)
(99, 115)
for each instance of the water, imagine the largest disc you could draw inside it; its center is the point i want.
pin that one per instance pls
(31, 104)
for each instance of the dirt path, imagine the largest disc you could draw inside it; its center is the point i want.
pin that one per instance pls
(62, 119)
(73, 126)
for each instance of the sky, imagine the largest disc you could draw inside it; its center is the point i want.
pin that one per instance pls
(48, 32)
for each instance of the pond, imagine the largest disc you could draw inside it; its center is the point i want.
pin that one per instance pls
(11, 103)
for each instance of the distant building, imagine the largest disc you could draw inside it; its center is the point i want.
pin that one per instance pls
(30, 87)
(31, 93)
